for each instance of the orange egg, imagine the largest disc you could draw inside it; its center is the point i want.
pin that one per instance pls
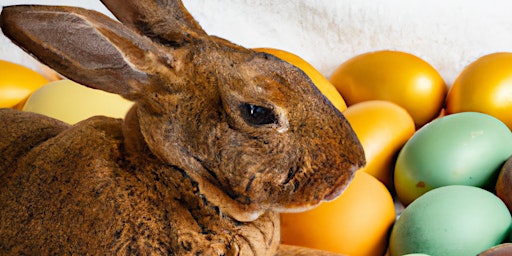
(356, 223)
(17, 83)
(484, 86)
(383, 128)
(318, 79)
(399, 77)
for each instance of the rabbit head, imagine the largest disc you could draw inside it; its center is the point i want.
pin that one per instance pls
(251, 130)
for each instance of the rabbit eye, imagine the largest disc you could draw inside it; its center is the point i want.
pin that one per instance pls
(257, 115)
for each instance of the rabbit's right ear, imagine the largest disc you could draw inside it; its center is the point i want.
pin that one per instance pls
(167, 22)
(85, 46)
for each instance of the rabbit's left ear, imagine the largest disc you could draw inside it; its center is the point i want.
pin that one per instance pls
(85, 46)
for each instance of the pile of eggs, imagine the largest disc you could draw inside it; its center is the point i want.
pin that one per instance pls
(432, 183)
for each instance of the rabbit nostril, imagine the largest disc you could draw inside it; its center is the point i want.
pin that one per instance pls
(257, 115)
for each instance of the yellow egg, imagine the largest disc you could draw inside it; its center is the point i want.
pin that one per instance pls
(17, 83)
(484, 86)
(356, 223)
(383, 128)
(71, 102)
(322, 83)
(395, 76)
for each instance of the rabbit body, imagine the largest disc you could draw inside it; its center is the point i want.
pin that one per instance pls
(105, 201)
(219, 141)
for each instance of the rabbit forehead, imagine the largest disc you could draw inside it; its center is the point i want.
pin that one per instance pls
(264, 78)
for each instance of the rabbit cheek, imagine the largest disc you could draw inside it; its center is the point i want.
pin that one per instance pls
(249, 169)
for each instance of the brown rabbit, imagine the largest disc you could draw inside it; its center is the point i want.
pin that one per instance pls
(220, 139)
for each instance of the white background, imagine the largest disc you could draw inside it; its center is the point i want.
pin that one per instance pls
(449, 34)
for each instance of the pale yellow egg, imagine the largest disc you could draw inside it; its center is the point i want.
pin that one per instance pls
(71, 102)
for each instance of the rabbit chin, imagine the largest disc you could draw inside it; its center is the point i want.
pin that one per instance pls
(304, 207)
(332, 195)
(308, 206)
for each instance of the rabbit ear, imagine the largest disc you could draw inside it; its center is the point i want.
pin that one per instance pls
(83, 45)
(164, 21)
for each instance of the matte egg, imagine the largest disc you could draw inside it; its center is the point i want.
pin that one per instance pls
(466, 148)
(451, 220)
(71, 102)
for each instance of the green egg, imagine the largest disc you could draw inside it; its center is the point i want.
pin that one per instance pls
(451, 220)
(466, 148)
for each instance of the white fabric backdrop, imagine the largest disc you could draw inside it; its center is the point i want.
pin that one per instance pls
(448, 34)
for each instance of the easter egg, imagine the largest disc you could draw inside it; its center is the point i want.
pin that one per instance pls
(466, 148)
(17, 83)
(71, 102)
(504, 184)
(504, 249)
(383, 128)
(484, 86)
(399, 77)
(356, 223)
(322, 83)
(452, 220)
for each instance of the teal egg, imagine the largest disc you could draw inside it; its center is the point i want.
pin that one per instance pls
(466, 148)
(451, 220)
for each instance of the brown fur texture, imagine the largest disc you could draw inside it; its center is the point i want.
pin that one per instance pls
(220, 140)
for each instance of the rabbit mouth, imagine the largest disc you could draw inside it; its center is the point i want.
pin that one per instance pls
(340, 186)
(307, 197)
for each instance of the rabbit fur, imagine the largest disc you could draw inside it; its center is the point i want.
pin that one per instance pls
(219, 141)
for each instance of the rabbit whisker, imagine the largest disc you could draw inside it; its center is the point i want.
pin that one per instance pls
(291, 174)
(249, 183)
(212, 174)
